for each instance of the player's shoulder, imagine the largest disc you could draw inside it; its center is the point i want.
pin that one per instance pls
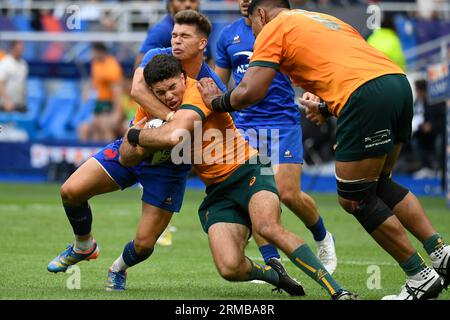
(191, 93)
(192, 99)
(237, 24)
(283, 18)
(228, 31)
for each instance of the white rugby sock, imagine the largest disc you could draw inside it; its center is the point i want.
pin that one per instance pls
(83, 246)
(119, 265)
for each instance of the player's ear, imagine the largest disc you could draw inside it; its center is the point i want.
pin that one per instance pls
(203, 43)
(263, 16)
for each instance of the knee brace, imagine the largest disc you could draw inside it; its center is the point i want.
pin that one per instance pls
(390, 192)
(371, 211)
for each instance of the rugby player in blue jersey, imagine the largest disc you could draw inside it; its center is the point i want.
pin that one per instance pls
(163, 185)
(278, 111)
(160, 35)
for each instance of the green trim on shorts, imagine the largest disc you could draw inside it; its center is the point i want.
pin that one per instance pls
(266, 64)
(228, 201)
(194, 108)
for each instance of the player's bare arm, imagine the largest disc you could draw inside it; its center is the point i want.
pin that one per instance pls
(169, 134)
(138, 60)
(252, 89)
(224, 74)
(144, 96)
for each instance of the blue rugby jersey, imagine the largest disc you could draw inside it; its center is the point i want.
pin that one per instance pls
(205, 71)
(234, 50)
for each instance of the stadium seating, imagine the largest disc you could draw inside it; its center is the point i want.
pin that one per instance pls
(35, 99)
(22, 23)
(58, 112)
(84, 113)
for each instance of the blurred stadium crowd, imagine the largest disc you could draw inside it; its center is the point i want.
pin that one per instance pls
(57, 89)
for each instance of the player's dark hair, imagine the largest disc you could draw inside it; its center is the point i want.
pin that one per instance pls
(162, 67)
(268, 4)
(194, 18)
(99, 46)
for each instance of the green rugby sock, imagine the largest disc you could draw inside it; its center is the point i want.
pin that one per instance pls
(263, 272)
(305, 259)
(433, 243)
(413, 265)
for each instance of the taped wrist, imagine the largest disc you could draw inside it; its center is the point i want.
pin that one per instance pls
(223, 103)
(133, 136)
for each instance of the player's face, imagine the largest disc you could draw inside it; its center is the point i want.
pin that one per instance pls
(243, 5)
(170, 91)
(180, 5)
(187, 42)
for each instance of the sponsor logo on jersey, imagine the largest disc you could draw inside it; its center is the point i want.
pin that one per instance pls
(236, 39)
(243, 67)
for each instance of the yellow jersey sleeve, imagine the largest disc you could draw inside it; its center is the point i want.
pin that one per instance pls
(192, 100)
(268, 48)
(140, 114)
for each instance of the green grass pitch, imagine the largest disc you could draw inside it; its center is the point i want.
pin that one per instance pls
(34, 229)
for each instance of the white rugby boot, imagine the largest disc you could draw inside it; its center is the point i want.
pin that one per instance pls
(427, 284)
(441, 263)
(326, 253)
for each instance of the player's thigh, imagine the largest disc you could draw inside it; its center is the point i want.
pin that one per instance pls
(153, 222)
(391, 159)
(87, 181)
(367, 169)
(288, 177)
(227, 242)
(264, 211)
